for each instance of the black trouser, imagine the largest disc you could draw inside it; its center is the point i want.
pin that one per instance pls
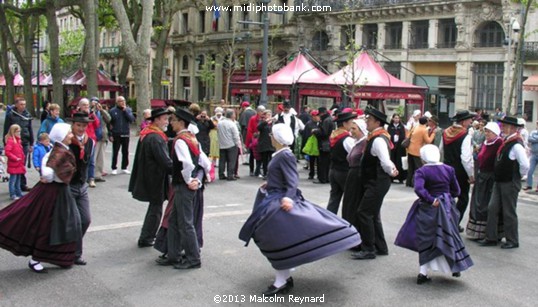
(251, 161)
(368, 214)
(323, 166)
(413, 163)
(504, 203)
(123, 142)
(80, 194)
(463, 198)
(266, 157)
(313, 160)
(227, 161)
(25, 149)
(338, 182)
(151, 222)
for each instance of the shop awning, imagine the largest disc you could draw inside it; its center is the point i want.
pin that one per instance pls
(531, 84)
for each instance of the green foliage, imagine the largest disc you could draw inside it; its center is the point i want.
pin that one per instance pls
(207, 74)
(107, 19)
(131, 102)
(72, 43)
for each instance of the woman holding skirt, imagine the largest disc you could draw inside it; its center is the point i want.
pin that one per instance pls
(431, 227)
(45, 223)
(288, 229)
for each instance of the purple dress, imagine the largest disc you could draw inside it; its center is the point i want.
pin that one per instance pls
(304, 234)
(433, 231)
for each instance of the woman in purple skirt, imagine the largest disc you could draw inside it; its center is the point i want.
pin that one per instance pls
(431, 227)
(306, 232)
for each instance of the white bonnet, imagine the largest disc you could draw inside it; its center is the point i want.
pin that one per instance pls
(430, 154)
(283, 134)
(59, 131)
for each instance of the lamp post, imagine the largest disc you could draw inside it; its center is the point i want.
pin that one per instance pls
(38, 91)
(265, 24)
(513, 26)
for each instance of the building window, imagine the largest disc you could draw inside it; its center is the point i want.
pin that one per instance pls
(489, 34)
(393, 68)
(201, 60)
(244, 16)
(448, 34)
(284, 14)
(393, 35)
(230, 18)
(419, 34)
(113, 38)
(202, 22)
(369, 36)
(185, 63)
(320, 41)
(347, 34)
(528, 110)
(488, 85)
(185, 20)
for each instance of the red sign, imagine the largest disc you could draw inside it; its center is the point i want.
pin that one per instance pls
(319, 93)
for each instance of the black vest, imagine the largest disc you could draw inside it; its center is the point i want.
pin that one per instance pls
(452, 155)
(339, 156)
(507, 170)
(292, 123)
(81, 175)
(177, 166)
(371, 166)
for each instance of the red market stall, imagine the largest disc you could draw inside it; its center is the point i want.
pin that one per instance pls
(371, 82)
(104, 84)
(281, 82)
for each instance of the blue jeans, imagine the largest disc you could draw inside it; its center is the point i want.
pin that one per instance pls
(15, 186)
(533, 160)
(91, 166)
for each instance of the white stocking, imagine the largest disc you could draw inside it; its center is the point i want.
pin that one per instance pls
(424, 270)
(280, 277)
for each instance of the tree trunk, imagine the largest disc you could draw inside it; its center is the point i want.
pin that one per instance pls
(158, 62)
(137, 51)
(90, 47)
(55, 67)
(9, 90)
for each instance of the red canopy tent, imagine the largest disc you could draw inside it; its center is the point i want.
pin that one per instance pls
(103, 82)
(42, 80)
(281, 82)
(370, 79)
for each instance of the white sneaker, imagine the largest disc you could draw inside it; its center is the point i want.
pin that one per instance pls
(126, 171)
(114, 172)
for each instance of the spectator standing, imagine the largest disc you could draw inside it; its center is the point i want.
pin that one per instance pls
(102, 141)
(326, 127)
(15, 160)
(121, 116)
(20, 116)
(419, 137)
(244, 117)
(229, 142)
(397, 134)
(53, 117)
(265, 147)
(41, 148)
(533, 160)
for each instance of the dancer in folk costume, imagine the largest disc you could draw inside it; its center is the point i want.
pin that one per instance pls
(289, 230)
(431, 227)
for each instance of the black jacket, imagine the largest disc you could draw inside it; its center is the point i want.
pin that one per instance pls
(152, 164)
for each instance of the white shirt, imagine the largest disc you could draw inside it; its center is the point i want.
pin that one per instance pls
(466, 155)
(518, 152)
(48, 173)
(184, 156)
(299, 125)
(380, 149)
(350, 142)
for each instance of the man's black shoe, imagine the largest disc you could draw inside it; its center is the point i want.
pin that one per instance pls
(142, 244)
(363, 255)
(80, 261)
(509, 245)
(185, 265)
(486, 242)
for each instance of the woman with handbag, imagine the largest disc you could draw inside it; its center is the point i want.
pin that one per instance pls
(397, 135)
(431, 227)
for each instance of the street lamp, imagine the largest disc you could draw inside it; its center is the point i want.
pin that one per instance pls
(513, 26)
(265, 24)
(38, 69)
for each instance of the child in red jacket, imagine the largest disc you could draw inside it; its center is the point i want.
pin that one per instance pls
(15, 161)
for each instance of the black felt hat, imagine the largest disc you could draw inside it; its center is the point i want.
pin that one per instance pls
(80, 117)
(377, 114)
(342, 117)
(184, 115)
(158, 112)
(510, 121)
(463, 115)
